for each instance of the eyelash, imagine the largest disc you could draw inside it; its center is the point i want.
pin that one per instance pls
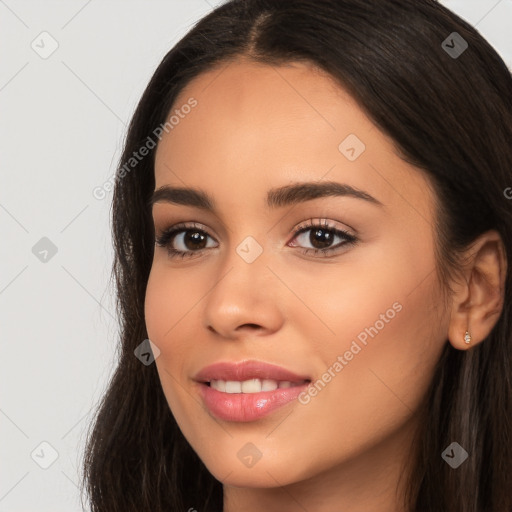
(164, 240)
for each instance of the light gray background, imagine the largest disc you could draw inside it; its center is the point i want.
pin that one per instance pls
(63, 119)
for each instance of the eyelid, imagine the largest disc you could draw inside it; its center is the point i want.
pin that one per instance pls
(306, 224)
(349, 239)
(184, 226)
(167, 236)
(323, 222)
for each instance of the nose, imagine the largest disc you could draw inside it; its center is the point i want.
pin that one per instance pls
(245, 299)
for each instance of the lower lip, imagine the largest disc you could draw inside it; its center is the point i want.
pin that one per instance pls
(247, 406)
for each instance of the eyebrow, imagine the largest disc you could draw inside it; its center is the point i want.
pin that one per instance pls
(276, 197)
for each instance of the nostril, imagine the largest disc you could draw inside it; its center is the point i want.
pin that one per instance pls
(251, 325)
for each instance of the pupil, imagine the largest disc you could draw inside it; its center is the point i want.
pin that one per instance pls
(317, 238)
(195, 238)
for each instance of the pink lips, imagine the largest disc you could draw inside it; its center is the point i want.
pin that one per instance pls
(247, 406)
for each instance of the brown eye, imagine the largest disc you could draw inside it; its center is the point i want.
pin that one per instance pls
(183, 240)
(321, 237)
(193, 240)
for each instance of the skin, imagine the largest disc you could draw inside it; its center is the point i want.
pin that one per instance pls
(257, 127)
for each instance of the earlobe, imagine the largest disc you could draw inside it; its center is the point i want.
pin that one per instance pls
(477, 303)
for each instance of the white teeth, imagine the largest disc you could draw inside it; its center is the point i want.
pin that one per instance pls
(250, 386)
(219, 385)
(268, 385)
(233, 386)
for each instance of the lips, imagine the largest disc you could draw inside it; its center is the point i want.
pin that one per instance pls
(248, 390)
(246, 370)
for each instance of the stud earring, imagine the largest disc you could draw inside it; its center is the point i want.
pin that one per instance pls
(467, 338)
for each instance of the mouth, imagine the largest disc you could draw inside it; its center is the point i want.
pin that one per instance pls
(247, 372)
(248, 390)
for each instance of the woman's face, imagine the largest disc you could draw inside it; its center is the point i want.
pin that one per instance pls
(361, 323)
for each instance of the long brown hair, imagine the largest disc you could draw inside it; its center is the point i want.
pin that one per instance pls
(449, 115)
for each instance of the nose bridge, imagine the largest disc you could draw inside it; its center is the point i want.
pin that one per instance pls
(242, 293)
(242, 271)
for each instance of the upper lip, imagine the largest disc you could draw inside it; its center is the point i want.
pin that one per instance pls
(245, 370)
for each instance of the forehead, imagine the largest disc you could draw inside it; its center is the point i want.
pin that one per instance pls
(255, 126)
(255, 106)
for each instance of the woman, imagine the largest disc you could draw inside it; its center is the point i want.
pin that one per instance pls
(315, 236)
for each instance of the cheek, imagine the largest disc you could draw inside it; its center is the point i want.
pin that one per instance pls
(170, 297)
(384, 345)
(167, 302)
(166, 306)
(172, 307)
(157, 304)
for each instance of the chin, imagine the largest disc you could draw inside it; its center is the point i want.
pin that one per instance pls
(237, 462)
(261, 475)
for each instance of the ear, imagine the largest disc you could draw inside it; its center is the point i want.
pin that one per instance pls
(478, 298)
